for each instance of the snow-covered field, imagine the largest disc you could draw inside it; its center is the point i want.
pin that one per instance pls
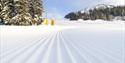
(67, 42)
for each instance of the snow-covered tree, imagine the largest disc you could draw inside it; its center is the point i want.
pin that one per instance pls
(7, 10)
(21, 12)
(35, 8)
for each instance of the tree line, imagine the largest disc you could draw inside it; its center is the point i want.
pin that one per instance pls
(102, 11)
(20, 12)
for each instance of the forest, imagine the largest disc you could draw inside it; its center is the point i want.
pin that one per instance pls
(101, 11)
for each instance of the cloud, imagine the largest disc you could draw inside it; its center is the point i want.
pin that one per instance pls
(89, 3)
(118, 2)
(113, 2)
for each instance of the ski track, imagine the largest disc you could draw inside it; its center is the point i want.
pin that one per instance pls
(99, 51)
(59, 46)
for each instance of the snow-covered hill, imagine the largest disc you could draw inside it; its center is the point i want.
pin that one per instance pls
(67, 42)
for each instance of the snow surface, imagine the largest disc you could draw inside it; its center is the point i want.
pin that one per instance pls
(67, 42)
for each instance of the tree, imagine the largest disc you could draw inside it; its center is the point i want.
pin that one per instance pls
(20, 12)
(7, 10)
(72, 16)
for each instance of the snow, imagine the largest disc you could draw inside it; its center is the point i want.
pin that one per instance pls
(67, 42)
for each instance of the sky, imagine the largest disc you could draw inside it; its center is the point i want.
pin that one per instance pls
(57, 9)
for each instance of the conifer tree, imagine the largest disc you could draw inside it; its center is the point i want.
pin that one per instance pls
(20, 12)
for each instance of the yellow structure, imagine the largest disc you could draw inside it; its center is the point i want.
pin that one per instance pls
(45, 22)
(52, 22)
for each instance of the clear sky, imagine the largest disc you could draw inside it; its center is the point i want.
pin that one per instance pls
(57, 9)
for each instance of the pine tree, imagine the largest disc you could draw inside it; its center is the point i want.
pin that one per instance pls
(36, 9)
(7, 10)
(31, 8)
(21, 12)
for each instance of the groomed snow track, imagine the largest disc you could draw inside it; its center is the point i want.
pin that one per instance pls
(62, 44)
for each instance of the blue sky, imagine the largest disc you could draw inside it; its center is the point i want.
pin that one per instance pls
(57, 9)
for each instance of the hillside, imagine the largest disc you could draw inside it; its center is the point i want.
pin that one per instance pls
(101, 11)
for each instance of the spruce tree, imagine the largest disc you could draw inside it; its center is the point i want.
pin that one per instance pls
(21, 12)
(7, 10)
